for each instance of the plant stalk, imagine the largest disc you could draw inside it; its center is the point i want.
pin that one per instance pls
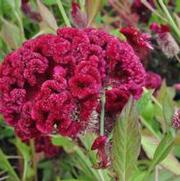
(61, 8)
(103, 102)
(34, 164)
(171, 21)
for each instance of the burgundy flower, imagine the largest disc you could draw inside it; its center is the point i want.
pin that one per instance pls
(53, 83)
(153, 80)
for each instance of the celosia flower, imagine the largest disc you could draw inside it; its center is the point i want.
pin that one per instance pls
(53, 83)
(165, 40)
(153, 80)
(139, 41)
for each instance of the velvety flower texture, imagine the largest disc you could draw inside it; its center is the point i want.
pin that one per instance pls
(52, 84)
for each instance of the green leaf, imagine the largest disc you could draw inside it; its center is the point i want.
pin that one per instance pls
(126, 142)
(47, 16)
(144, 100)
(49, 2)
(25, 152)
(68, 145)
(150, 144)
(165, 97)
(92, 9)
(177, 6)
(5, 165)
(117, 33)
(163, 149)
(10, 34)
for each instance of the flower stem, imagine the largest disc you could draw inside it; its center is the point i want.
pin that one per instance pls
(171, 21)
(61, 8)
(32, 145)
(20, 25)
(103, 102)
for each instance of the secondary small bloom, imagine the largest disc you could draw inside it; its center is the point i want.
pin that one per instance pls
(153, 80)
(176, 119)
(139, 41)
(165, 40)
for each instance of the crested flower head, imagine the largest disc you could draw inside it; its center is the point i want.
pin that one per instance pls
(53, 83)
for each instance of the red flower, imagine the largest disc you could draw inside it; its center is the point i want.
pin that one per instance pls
(53, 83)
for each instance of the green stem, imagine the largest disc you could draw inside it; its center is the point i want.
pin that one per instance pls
(61, 8)
(20, 25)
(147, 4)
(34, 165)
(103, 102)
(171, 21)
